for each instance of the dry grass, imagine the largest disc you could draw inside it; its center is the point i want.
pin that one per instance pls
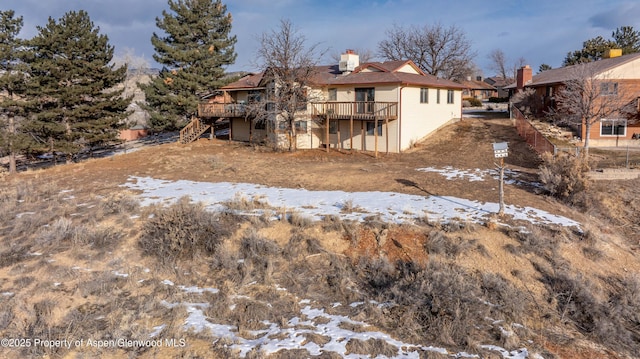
(91, 263)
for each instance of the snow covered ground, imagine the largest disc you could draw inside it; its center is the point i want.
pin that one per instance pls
(390, 206)
(315, 321)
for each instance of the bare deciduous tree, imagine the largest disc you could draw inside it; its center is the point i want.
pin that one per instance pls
(588, 97)
(289, 65)
(365, 55)
(499, 64)
(440, 51)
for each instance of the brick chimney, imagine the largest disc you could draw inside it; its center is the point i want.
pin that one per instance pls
(349, 61)
(611, 53)
(524, 75)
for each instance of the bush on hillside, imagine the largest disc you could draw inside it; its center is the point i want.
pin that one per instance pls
(473, 102)
(184, 230)
(564, 176)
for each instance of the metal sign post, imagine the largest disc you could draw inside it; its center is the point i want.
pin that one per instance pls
(501, 150)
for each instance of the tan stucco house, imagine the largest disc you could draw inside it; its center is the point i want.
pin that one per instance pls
(375, 106)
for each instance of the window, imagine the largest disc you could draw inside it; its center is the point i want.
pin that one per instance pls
(333, 94)
(438, 96)
(449, 96)
(615, 127)
(254, 96)
(260, 125)
(365, 98)
(301, 126)
(609, 88)
(424, 95)
(370, 128)
(549, 91)
(333, 127)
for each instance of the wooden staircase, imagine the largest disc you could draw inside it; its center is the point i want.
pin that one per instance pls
(193, 131)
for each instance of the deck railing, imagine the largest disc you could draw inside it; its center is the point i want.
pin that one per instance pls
(209, 109)
(333, 110)
(355, 110)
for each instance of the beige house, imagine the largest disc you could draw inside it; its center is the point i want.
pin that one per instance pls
(376, 106)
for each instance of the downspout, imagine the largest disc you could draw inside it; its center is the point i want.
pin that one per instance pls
(400, 121)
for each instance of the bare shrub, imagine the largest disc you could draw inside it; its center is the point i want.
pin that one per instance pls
(183, 231)
(61, 230)
(98, 237)
(441, 302)
(299, 220)
(440, 243)
(300, 245)
(564, 176)
(259, 255)
(119, 203)
(13, 255)
(610, 318)
(371, 347)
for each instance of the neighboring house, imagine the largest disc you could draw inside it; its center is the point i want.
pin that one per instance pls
(620, 75)
(478, 89)
(499, 83)
(377, 106)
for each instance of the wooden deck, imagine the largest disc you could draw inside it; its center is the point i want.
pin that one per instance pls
(210, 110)
(355, 110)
(331, 110)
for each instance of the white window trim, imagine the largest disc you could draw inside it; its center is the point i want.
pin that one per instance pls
(614, 120)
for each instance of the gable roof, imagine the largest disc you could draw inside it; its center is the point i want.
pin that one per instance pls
(247, 82)
(477, 85)
(497, 81)
(563, 74)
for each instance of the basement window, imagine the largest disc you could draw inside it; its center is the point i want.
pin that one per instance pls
(613, 127)
(333, 127)
(371, 125)
(301, 126)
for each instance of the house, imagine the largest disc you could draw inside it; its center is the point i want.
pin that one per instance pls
(499, 83)
(375, 106)
(478, 89)
(618, 75)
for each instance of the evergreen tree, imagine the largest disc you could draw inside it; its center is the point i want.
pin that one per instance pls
(625, 38)
(544, 67)
(12, 85)
(77, 103)
(194, 53)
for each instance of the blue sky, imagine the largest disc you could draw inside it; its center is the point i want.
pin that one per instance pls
(540, 31)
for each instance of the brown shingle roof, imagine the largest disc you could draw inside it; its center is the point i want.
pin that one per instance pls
(247, 82)
(330, 75)
(477, 85)
(563, 74)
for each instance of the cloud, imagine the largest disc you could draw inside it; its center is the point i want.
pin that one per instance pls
(627, 14)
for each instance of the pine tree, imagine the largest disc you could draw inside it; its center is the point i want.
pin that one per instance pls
(194, 53)
(12, 85)
(78, 103)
